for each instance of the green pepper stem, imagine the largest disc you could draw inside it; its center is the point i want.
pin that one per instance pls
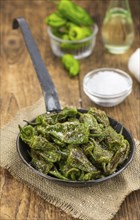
(20, 128)
(32, 123)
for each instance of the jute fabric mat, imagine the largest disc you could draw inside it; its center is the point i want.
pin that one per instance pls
(97, 202)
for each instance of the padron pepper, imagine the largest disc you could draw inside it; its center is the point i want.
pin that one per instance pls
(100, 116)
(74, 145)
(67, 113)
(68, 45)
(78, 33)
(69, 171)
(74, 13)
(56, 173)
(71, 64)
(39, 163)
(90, 120)
(55, 20)
(118, 158)
(78, 159)
(69, 132)
(91, 175)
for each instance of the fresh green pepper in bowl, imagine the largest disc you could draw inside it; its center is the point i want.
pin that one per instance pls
(73, 12)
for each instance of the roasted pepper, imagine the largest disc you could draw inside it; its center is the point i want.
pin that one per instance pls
(74, 13)
(55, 20)
(63, 145)
(71, 64)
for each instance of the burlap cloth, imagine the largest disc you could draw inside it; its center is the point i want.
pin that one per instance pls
(98, 202)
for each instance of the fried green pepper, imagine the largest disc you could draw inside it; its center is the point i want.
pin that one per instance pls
(97, 154)
(92, 175)
(51, 155)
(78, 160)
(70, 172)
(39, 163)
(41, 120)
(67, 113)
(74, 145)
(56, 173)
(47, 119)
(96, 129)
(100, 116)
(113, 139)
(71, 64)
(69, 132)
(27, 134)
(118, 158)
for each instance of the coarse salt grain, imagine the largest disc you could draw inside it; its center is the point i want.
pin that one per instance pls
(107, 83)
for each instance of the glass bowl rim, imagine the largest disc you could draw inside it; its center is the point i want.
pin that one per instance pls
(100, 95)
(94, 33)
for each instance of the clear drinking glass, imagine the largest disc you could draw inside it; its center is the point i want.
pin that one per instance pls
(118, 28)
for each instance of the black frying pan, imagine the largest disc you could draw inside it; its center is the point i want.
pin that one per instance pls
(52, 104)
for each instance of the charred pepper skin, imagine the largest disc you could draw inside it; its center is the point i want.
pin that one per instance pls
(71, 145)
(55, 20)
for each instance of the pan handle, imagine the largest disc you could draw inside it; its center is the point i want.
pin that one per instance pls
(50, 93)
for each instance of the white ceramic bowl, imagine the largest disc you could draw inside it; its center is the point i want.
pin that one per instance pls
(79, 49)
(107, 86)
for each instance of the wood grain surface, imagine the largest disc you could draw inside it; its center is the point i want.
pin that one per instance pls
(20, 88)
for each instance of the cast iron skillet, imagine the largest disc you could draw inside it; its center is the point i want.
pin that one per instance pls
(52, 104)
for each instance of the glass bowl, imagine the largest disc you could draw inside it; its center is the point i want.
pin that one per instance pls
(107, 87)
(79, 49)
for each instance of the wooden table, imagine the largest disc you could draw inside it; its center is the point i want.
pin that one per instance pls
(20, 88)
